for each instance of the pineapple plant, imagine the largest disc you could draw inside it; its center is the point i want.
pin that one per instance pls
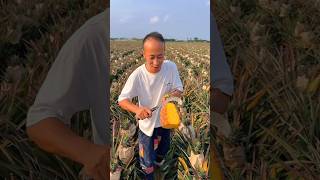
(196, 157)
(126, 150)
(187, 129)
(127, 128)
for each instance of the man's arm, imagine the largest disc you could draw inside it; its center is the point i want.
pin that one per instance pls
(64, 92)
(141, 112)
(176, 93)
(220, 101)
(53, 136)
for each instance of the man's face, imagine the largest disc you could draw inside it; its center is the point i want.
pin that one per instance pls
(153, 52)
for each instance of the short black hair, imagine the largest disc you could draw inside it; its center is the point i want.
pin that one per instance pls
(154, 35)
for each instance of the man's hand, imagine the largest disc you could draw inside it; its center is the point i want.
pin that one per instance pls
(174, 93)
(220, 101)
(163, 115)
(96, 162)
(143, 113)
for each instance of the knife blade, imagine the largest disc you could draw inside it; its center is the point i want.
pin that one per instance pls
(154, 108)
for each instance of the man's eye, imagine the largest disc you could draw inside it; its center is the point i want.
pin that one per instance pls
(152, 57)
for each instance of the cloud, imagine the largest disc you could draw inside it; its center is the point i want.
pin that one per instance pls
(165, 19)
(154, 19)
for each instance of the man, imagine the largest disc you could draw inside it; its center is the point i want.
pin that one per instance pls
(76, 81)
(151, 82)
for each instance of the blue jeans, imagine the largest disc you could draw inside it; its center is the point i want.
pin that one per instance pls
(153, 149)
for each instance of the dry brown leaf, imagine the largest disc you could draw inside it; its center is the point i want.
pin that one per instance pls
(196, 160)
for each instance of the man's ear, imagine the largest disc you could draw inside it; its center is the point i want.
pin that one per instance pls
(142, 53)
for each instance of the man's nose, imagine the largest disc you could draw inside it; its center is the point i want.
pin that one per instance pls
(156, 61)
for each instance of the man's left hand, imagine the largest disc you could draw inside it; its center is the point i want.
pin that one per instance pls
(163, 115)
(174, 93)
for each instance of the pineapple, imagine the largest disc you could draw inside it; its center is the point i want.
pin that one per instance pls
(197, 158)
(187, 129)
(125, 150)
(172, 119)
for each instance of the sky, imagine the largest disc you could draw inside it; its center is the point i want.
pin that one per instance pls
(178, 19)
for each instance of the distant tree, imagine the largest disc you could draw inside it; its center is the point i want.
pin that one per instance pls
(170, 39)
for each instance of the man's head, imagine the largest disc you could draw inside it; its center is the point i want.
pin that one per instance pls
(153, 51)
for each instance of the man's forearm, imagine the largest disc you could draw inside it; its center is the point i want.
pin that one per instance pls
(220, 101)
(176, 93)
(53, 136)
(128, 105)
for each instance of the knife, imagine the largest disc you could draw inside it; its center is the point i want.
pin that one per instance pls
(154, 108)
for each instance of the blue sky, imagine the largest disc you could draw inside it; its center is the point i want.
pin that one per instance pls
(179, 19)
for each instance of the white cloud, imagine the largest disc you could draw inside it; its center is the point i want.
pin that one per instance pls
(154, 19)
(165, 19)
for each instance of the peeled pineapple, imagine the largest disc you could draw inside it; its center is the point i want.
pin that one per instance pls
(171, 119)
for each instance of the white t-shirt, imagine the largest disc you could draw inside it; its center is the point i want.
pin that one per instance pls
(150, 88)
(78, 80)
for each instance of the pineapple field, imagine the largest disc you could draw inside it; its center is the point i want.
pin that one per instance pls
(273, 48)
(189, 150)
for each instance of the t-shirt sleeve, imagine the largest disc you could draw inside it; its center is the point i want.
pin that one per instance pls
(130, 88)
(221, 76)
(177, 83)
(64, 90)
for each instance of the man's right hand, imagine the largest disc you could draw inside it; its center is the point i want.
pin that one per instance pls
(96, 162)
(143, 113)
